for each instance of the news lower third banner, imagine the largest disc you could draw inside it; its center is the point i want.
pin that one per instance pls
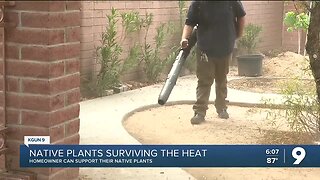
(169, 155)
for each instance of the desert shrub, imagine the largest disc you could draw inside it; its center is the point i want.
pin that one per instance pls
(301, 107)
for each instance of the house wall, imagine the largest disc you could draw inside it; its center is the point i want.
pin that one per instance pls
(268, 14)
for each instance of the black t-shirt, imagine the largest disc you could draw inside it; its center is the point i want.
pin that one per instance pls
(216, 25)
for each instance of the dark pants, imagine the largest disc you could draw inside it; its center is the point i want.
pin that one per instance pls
(208, 71)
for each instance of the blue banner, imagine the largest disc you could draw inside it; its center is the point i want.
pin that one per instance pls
(170, 156)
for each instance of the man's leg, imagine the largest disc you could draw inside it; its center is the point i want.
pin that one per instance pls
(221, 71)
(205, 75)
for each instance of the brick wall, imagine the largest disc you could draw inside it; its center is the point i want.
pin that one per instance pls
(43, 78)
(2, 99)
(94, 21)
(290, 39)
(268, 14)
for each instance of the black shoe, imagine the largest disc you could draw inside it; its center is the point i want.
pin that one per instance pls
(197, 119)
(223, 114)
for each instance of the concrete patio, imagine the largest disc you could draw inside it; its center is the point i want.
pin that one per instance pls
(101, 123)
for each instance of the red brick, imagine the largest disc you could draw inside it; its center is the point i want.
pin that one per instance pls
(38, 53)
(1, 48)
(86, 14)
(56, 37)
(14, 148)
(73, 5)
(1, 99)
(57, 53)
(12, 116)
(65, 83)
(86, 5)
(35, 36)
(52, 6)
(12, 52)
(118, 4)
(73, 97)
(72, 66)
(12, 17)
(87, 46)
(36, 86)
(146, 4)
(14, 162)
(2, 119)
(12, 84)
(37, 119)
(75, 139)
(1, 67)
(2, 162)
(102, 5)
(28, 19)
(32, 5)
(57, 133)
(47, 20)
(64, 19)
(87, 22)
(133, 5)
(64, 51)
(13, 100)
(87, 54)
(27, 69)
(52, 53)
(36, 102)
(73, 34)
(72, 127)
(86, 37)
(56, 69)
(1, 83)
(57, 102)
(57, 6)
(65, 114)
(18, 132)
(72, 50)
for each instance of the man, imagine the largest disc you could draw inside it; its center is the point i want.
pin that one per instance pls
(219, 24)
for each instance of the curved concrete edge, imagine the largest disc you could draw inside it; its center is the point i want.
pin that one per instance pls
(268, 77)
(189, 102)
(172, 103)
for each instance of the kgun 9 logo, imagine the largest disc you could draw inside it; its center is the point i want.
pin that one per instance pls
(299, 154)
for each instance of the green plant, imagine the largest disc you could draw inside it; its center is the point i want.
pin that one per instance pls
(154, 64)
(131, 22)
(110, 51)
(298, 22)
(249, 41)
(108, 54)
(301, 108)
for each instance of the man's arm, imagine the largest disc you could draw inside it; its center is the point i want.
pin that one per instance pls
(187, 31)
(240, 26)
(240, 17)
(191, 21)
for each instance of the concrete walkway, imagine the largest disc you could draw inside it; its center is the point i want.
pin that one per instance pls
(101, 123)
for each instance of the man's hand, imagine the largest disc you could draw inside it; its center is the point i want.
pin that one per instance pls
(186, 33)
(184, 43)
